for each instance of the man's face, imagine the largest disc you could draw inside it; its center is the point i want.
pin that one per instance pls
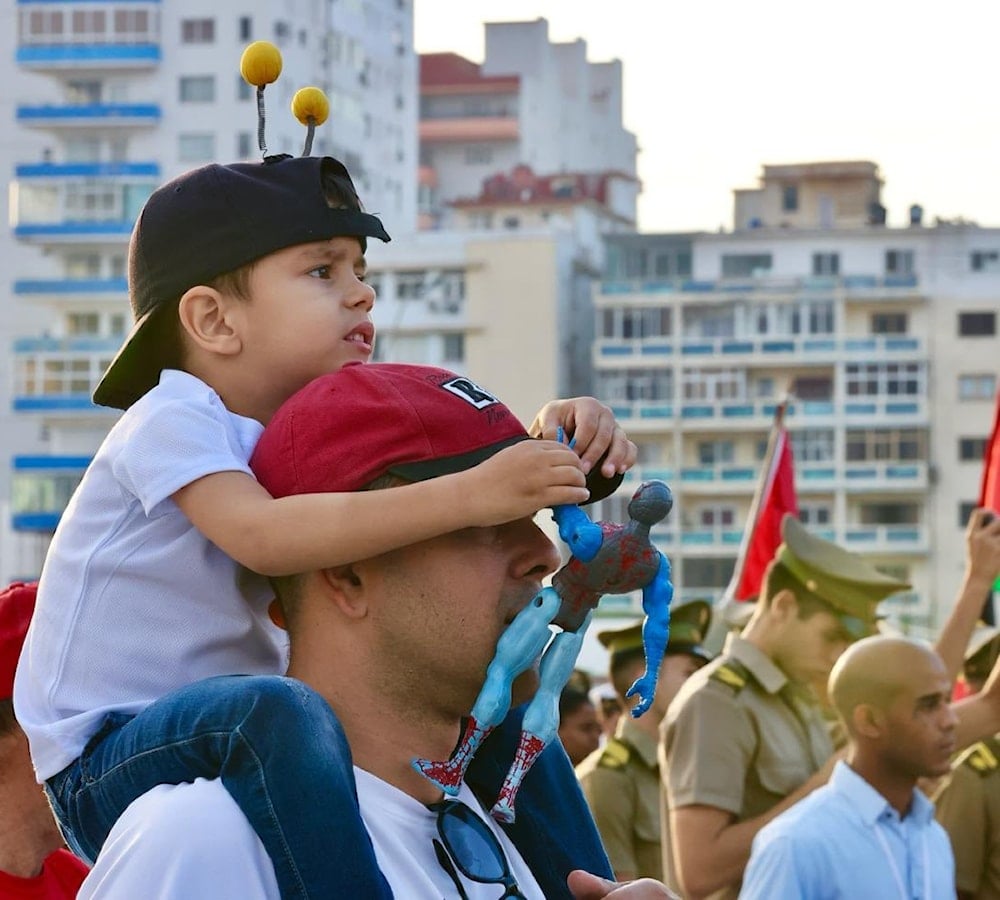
(309, 313)
(920, 723)
(674, 671)
(809, 647)
(442, 604)
(580, 733)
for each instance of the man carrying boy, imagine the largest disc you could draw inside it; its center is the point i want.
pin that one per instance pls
(398, 645)
(247, 281)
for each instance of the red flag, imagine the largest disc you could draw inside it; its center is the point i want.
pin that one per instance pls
(989, 489)
(775, 496)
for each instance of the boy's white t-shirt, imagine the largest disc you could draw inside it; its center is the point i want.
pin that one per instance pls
(191, 840)
(134, 602)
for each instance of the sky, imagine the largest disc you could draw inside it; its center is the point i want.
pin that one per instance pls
(715, 89)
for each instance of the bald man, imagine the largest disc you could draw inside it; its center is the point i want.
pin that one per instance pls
(870, 832)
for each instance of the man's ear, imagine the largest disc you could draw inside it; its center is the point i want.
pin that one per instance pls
(868, 721)
(208, 318)
(784, 606)
(346, 590)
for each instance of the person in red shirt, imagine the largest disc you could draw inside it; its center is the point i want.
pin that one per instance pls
(33, 862)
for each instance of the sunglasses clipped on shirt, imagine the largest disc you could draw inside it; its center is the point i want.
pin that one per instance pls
(469, 844)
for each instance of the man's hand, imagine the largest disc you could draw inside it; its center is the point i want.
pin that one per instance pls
(522, 479)
(982, 539)
(592, 887)
(594, 431)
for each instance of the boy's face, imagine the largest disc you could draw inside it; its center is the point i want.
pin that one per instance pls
(309, 314)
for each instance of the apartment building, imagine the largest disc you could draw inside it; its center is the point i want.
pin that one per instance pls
(103, 102)
(883, 340)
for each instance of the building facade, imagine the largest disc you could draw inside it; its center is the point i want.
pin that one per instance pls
(104, 102)
(883, 340)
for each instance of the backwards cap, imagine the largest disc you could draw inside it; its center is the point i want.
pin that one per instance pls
(214, 220)
(17, 603)
(345, 429)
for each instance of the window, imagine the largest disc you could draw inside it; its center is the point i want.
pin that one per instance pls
(244, 145)
(985, 260)
(965, 509)
(410, 285)
(711, 453)
(635, 322)
(714, 384)
(632, 385)
(812, 445)
(789, 198)
(707, 573)
(742, 265)
(246, 28)
(817, 387)
(197, 89)
(83, 265)
(890, 514)
(244, 91)
(899, 262)
(197, 31)
(826, 264)
(977, 324)
(196, 147)
(82, 324)
(977, 387)
(478, 154)
(889, 323)
(511, 223)
(454, 348)
(971, 449)
(716, 516)
(81, 92)
(814, 514)
(879, 379)
(886, 444)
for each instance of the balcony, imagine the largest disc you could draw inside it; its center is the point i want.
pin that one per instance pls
(851, 287)
(59, 375)
(91, 115)
(41, 486)
(80, 201)
(881, 539)
(759, 350)
(51, 289)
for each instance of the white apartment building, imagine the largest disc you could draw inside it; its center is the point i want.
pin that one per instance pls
(103, 101)
(885, 340)
(530, 103)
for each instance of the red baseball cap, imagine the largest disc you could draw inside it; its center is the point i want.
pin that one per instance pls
(17, 603)
(345, 429)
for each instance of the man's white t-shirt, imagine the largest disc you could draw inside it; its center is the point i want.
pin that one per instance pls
(134, 602)
(188, 841)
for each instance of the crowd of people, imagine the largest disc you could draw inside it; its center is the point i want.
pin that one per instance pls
(284, 577)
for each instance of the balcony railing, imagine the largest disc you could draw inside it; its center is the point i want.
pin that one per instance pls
(788, 348)
(89, 115)
(850, 285)
(53, 375)
(74, 286)
(41, 486)
(48, 208)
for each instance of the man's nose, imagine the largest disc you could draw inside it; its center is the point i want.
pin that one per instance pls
(536, 555)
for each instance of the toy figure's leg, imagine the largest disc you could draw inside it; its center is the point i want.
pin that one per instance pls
(656, 597)
(541, 719)
(583, 537)
(518, 648)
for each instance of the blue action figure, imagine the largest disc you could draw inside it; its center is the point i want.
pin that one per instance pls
(607, 558)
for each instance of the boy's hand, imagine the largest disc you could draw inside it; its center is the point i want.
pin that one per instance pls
(522, 479)
(595, 431)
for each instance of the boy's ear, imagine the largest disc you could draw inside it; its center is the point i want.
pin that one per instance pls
(208, 319)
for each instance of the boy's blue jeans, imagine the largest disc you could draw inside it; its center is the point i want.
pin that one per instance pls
(280, 753)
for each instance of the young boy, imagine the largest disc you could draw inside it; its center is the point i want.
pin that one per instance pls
(246, 282)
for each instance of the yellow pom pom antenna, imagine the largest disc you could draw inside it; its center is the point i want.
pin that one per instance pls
(260, 65)
(311, 108)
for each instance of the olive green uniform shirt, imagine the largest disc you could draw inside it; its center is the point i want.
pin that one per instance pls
(740, 737)
(621, 782)
(968, 806)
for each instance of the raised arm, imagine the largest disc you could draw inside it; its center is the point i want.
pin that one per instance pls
(982, 566)
(315, 531)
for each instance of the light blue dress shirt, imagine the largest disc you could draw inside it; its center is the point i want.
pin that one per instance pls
(846, 842)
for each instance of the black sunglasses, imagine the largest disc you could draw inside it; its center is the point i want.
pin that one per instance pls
(475, 849)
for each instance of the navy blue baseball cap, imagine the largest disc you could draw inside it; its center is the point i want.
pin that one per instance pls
(211, 221)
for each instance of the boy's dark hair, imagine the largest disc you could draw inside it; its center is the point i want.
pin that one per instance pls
(240, 213)
(570, 700)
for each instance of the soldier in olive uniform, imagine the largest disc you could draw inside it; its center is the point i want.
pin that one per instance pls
(621, 781)
(968, 803)
(745, 739)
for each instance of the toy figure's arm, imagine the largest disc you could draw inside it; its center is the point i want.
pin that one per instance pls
(583, 537)
(656, 598)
